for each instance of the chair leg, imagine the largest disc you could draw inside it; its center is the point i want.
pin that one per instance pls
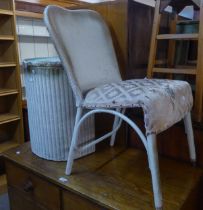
(71, 154)
(115, 124)
(190, 137)
(154, 168)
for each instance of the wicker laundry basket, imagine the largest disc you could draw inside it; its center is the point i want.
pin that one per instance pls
(51, 110)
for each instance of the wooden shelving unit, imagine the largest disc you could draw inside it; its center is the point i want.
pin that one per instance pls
(11, 123)
(170, 67)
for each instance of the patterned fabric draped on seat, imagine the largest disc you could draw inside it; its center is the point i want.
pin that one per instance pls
(164, 102)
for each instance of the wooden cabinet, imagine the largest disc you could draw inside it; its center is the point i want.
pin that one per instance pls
(11, 129)
(111, 178)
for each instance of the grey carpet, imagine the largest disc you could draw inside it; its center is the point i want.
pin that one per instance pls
(4, 202)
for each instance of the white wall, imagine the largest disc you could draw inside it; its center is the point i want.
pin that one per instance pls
(34, 41)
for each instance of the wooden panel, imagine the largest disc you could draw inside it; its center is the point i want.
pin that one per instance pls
(33, 187)
(20, 202)
(7, 52)
(140, 19)
(8, 105)
(72, 202)
(7, 79)
(3, 184)
(9, 134)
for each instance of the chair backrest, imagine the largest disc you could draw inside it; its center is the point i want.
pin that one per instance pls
(84, 44)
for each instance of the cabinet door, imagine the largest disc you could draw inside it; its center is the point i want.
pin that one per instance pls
(20, 202)
(72, 201)
(36, 190)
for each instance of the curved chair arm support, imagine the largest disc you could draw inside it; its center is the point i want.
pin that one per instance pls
(120, 115)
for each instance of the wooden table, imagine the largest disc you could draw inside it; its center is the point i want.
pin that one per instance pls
(111, 178)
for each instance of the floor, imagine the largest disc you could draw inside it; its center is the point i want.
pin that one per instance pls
(4, 202)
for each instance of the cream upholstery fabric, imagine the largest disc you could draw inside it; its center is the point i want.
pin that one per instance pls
(85, 48)
(164, 102)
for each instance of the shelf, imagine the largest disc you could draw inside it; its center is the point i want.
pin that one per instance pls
(6, 92)
(193, 36)
(34, 35)
(5, 12)
(175, 71)
(6, 118)
(7, 64)
(187, 22)
(7, 38)
(3, 184)
(29, 14)
(7, 145)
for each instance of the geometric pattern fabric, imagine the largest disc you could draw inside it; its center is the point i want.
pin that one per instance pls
(164, 102)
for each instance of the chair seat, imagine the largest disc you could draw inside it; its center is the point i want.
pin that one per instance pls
(164, 102)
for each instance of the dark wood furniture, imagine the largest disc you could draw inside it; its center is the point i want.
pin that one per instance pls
(111, 178)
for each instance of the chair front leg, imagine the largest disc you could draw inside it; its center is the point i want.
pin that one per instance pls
(71, 154)
(190, 137)
(154, 168)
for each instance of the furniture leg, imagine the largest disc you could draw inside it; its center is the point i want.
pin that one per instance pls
(190, 137)
(73, 143)
(154, 168)
(115, 124)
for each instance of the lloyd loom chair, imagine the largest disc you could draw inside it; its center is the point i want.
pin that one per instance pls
(85, 47)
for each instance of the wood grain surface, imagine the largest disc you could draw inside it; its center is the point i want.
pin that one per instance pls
(114, 178)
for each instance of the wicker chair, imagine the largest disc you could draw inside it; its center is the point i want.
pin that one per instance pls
(84, 44)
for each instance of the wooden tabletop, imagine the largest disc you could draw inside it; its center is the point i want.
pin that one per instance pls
(116, 178)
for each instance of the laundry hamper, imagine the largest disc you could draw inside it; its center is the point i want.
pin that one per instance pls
(51, 110)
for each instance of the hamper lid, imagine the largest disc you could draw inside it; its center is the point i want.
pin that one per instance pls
(42, 62)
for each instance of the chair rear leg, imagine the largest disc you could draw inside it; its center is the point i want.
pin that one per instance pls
(115, 124)
(190, 137)
(154, 168)
(71, 154)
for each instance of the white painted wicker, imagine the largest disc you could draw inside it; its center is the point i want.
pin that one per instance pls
(51, 110)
